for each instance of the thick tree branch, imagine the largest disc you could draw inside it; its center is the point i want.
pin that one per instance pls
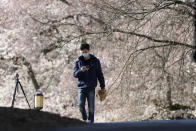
(182, 11)
(188, 4)
(170, 42)
(23, 61)
(153, 39)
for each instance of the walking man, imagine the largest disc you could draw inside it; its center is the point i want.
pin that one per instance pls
(87, 69)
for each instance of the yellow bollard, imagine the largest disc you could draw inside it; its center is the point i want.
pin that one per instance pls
(38, 100)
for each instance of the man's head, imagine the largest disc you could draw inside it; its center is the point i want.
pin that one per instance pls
(85, 49)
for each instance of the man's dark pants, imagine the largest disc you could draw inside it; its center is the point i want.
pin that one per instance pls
(89, 95)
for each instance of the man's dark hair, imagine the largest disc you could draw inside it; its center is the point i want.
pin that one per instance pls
(85, 46)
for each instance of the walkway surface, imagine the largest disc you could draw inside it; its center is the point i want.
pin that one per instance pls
(163, 125)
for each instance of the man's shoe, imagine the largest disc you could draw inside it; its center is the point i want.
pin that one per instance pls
(89, 122)
(84, 120)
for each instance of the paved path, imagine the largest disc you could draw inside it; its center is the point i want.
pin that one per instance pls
(164, 125)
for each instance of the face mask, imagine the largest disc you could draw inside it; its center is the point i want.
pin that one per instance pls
(85, 54)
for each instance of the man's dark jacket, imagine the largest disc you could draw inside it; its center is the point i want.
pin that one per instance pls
(88, 79)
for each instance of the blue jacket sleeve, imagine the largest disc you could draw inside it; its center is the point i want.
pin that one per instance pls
(77, 71)
(100, 75)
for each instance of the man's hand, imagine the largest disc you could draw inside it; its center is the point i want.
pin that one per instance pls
(83, 68)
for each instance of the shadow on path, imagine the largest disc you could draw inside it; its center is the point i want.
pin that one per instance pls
(13, 119)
